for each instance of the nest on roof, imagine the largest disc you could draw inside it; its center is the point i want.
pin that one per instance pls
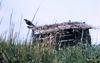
(62, 26)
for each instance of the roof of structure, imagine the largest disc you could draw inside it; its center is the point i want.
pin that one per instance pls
(62, 26)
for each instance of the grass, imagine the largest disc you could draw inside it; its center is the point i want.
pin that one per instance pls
(37, 53)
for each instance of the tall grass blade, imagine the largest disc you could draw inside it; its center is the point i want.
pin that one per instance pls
(32, 21)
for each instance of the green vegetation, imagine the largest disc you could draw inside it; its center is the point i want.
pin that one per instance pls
(10, 52)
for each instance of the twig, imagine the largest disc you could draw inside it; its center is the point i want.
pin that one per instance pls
(1, 20)
(82, 35)
(10, 27)
(32, 21)
(20, 25)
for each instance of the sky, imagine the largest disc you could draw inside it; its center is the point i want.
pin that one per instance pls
(50, 11)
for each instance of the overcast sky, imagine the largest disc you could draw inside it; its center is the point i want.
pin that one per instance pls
(51, 11)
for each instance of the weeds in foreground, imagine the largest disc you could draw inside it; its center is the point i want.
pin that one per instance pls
(36, 53)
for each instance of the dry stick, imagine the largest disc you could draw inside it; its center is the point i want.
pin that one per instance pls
(82, 36)
(1, 20)
(20, 26)
(10, 24)
(11, 19)
(32, 21)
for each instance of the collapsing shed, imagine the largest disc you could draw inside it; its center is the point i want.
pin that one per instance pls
(67, 33)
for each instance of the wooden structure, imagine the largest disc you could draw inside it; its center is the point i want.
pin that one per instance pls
(67, 33)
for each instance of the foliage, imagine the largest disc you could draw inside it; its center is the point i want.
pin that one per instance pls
(37, 53)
